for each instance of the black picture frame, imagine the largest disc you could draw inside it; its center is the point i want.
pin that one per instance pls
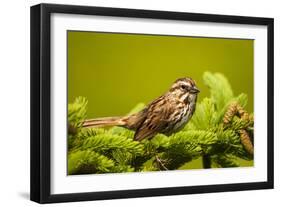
(41, 98)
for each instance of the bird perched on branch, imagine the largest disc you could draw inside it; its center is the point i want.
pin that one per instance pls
(166, 114)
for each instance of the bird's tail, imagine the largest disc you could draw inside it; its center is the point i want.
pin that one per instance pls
(102, 122)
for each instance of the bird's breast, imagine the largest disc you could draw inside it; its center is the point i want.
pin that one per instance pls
(182, 117)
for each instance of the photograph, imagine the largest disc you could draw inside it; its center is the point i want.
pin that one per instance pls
(139, 103)
(129, 103)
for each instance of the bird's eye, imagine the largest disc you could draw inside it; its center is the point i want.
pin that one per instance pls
(183, 87)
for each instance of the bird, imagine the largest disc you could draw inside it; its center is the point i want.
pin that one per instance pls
(166, 114)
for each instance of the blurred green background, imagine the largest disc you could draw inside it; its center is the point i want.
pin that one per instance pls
(115, 71)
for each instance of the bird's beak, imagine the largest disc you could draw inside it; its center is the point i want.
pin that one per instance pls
(195, 90)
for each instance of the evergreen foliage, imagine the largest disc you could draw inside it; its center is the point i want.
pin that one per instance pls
(214, 133)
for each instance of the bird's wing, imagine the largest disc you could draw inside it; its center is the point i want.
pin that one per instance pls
(157, 119)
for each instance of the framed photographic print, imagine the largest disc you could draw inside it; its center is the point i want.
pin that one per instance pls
(132, 103)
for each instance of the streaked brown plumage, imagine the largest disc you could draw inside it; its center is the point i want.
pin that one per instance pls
(167, 114)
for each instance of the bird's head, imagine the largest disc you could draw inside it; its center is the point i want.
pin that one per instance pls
(185, 88)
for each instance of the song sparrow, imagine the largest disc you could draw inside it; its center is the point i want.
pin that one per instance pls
(167, 114)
